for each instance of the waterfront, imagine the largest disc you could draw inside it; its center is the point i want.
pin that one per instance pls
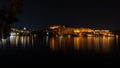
(60, 49)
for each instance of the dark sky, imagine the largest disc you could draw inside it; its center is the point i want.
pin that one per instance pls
(86, 13)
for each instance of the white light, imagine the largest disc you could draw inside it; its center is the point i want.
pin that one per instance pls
(12, 34)
(47, 33)
(24, 28)
(17, 33)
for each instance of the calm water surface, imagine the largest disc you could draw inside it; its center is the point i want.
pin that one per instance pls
(60, 49)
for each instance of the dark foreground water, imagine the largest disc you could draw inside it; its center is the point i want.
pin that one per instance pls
(61, 50)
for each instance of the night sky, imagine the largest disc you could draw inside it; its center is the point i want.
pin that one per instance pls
(94, 14)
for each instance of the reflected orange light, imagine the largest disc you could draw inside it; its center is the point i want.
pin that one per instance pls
(52, 44)
(76, 43)
(89, 42)
(105, 46)
(17, 40)
(28, 39)
(97, 43)
(32, 41)
(22, 40)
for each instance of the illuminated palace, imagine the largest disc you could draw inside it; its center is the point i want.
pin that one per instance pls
(72, 31)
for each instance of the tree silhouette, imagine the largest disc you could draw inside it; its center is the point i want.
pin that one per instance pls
(9, 16)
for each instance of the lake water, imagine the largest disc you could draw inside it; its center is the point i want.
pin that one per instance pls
(85, 50)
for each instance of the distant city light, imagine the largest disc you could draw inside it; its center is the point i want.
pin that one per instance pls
(25, 28)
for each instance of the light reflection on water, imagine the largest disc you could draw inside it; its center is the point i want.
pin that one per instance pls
(17, 41)
(97, 44)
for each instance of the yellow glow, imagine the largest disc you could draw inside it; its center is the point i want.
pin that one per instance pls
(89, 35)
(76, 30)
(54, 27)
